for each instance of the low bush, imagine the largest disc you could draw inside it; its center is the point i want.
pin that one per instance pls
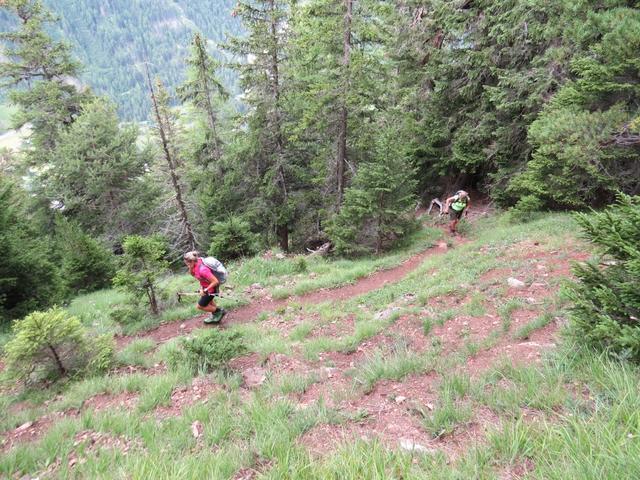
(210, 350)
(233, 238)
(606, 298)
(54, 344)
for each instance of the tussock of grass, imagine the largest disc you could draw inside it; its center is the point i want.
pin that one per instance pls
(526, 330)
(380, 365)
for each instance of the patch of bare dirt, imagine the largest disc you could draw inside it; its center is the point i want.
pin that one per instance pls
(185, 396)
(105, 401)
(33, 430)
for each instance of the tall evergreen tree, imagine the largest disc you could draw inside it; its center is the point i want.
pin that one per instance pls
(378, 205)
(97, 173)
(202, 88)
(28, 279)
(261, 77)
(41, 75)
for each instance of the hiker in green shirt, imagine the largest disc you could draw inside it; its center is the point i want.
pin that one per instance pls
(455, 206)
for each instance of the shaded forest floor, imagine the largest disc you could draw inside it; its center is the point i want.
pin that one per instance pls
(449, 365)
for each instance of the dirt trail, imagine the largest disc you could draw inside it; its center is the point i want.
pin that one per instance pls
(249, 312)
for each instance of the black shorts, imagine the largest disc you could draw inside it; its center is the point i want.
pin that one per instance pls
(207, 299)
(453, 215)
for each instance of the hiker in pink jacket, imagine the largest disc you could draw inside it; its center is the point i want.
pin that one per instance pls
(209, 286)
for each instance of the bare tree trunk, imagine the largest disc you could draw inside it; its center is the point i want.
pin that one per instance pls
(212, 121)
(63, 371)
(282, 230)
(175, 181)
(153, 300)
(342, 121)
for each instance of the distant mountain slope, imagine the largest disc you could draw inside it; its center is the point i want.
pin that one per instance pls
(112, 37)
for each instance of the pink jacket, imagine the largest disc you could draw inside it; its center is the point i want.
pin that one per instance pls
(203, 274)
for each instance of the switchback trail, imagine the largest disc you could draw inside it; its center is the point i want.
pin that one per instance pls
(249, 312)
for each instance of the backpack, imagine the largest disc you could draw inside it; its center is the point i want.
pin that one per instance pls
(217, 268)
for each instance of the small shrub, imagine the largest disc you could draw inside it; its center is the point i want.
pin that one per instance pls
(526, 210)
(211, 350)
(606, 310)
(233, 238)
(141, 266)
(300, 265)
(53, 344)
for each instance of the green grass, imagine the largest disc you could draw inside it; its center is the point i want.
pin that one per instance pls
(446, 416)
(136, 353)
(6, 111)
(382, 365)
(540, 322)
(506, 311)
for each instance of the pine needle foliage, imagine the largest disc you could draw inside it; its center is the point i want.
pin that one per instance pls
(54, 344)
(606, 311)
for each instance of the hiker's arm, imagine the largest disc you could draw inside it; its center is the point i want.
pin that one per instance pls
(447, 202)
(212, 286)
(466, 209)
(213, 282)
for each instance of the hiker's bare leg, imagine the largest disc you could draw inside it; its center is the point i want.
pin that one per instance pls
(209, 308)
(452, 226)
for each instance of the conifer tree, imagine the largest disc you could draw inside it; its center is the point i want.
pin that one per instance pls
(377, 206)
(40, 74)
(98, 173)
(180, 229)
(261, 77)
(202, 88)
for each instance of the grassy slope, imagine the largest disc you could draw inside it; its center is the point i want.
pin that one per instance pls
(586, 415)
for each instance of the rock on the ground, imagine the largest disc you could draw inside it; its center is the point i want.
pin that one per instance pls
(196, 429)
(24, 427)
(413, 447)
(399, 399)
(383, 315)
(515, 283)
(254, 377)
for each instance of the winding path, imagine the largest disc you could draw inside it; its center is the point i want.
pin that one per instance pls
(249, 312)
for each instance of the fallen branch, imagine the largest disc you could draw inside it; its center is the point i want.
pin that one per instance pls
(321, 250)
(437, 202)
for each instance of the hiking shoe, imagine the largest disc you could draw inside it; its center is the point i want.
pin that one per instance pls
(216, 316)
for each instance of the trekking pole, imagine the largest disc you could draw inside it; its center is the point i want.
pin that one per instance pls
(179, 295)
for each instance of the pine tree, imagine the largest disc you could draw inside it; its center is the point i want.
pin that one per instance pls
(141, 265)
(97, 172)
(338, 75)
(26, 264)
(377, 206)
(261, 77)
(181, 228)
(577, 159)
(202, 88)
(41, 76)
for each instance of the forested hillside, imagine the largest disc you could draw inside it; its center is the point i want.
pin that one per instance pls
(354, 110)
(112, 38)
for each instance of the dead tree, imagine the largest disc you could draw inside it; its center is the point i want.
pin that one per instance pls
(163, 124)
